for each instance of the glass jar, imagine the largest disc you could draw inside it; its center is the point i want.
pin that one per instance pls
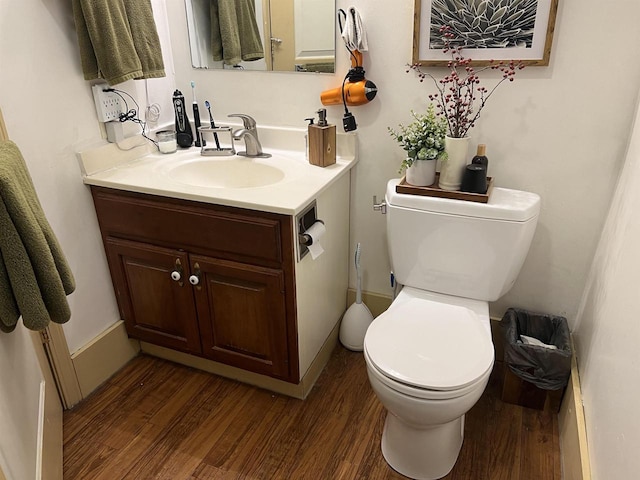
(167, 141)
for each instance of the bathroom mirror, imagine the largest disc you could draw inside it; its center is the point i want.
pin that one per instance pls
(294, 35)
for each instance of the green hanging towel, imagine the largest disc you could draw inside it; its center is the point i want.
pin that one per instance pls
(34, 275)
(118, 40)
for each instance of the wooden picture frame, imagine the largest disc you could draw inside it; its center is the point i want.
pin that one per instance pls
(520, 30)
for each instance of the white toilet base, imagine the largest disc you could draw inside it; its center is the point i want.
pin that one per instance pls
(424, 453)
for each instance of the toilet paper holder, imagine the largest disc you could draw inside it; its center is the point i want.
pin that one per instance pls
(305, 239)
(304, 221)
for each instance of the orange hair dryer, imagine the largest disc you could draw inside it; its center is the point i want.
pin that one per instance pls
(355, 93)
(355, 90)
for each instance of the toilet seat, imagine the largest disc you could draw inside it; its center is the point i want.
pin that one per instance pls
(423, 393)
(429, 348)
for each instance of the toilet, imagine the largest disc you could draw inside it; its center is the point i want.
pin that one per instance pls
(429, 355)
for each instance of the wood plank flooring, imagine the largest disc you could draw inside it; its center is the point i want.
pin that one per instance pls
(159, 420)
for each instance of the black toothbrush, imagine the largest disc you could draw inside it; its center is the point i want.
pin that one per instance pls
(213, 124)
(200, 142)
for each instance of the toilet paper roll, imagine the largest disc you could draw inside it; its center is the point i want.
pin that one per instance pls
(316, 231)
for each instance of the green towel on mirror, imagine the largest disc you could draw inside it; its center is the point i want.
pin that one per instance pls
(118, 40)
(34, 275)
(234, 32)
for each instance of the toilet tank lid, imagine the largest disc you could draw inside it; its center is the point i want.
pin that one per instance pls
(504, 204)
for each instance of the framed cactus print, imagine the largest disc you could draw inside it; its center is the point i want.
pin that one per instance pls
(498, 30)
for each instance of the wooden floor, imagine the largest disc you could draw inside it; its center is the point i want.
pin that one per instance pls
(159, 420)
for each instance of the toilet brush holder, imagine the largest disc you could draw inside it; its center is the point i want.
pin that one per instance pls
(354, 326)
(357, 318)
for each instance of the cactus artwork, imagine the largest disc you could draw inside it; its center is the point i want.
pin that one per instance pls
(484, 23)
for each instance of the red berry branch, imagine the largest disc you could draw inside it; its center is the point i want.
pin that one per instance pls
(460, 97)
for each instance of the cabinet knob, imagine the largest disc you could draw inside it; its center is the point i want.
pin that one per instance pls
(195, 278)
(176, 275)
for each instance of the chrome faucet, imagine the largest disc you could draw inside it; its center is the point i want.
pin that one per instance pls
(250, 136)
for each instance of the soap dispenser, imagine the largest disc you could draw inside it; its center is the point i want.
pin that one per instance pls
(322, 141)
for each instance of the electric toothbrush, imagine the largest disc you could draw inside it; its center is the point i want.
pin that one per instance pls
(183, 127)
(200, 142)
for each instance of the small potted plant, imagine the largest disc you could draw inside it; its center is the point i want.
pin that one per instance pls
(423, 140)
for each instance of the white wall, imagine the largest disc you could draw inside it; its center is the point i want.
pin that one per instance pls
(50, 114)
(48, 109)
(559, 131)
(608, 332)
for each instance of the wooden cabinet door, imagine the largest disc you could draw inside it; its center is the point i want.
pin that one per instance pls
(156, 308)
(242, 315)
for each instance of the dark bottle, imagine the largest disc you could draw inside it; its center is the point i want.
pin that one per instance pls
(481, 158)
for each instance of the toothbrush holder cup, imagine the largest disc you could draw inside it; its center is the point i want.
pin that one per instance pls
(222, 143)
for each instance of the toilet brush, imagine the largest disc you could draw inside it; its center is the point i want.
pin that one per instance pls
(357, 318)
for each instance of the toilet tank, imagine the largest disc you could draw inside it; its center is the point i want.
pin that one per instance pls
(455, 247)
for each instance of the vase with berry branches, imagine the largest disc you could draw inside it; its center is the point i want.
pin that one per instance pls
(460, 99)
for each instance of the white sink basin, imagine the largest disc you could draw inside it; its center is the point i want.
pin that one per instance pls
(218, 173)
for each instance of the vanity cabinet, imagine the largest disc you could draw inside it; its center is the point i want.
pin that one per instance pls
(213, 281)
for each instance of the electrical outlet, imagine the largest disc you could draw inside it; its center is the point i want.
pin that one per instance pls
(107, 103)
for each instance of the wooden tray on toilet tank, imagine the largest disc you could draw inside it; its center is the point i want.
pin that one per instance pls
(435, 191)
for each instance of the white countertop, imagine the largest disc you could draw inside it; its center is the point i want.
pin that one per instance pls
(152, 173)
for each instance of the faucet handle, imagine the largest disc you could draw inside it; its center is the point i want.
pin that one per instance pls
(249, 122)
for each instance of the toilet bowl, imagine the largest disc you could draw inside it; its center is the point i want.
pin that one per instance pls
(429, 358)
(430, 355)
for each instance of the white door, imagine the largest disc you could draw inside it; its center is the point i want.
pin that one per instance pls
(30, 410)
(50, 437)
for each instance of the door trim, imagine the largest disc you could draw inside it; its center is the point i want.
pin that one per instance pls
(266, 41)
(61, 365)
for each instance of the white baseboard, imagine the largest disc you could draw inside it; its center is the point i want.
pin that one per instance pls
(574, 450)
(103, 356)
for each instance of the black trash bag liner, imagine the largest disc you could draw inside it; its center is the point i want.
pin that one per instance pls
(546, 368)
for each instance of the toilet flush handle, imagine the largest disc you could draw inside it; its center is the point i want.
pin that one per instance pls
(379, 207)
